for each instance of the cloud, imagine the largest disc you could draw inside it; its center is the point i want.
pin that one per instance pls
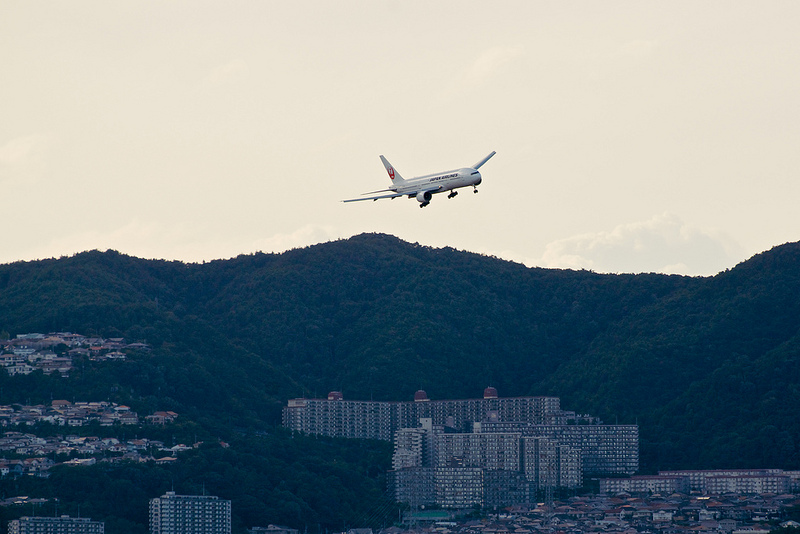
(231, 72)
(181, 241)
(491, 61)
(145, 239)
(309, 234)
(663, 244)
(637, 49)
(22, 158)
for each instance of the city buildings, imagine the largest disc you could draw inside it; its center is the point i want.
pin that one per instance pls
(742, 481)
(491, 451)
(606, 450)
(189, 514)
(55, 525)
(432, 466)
(716, 481)
(664, 484)
(337, 417)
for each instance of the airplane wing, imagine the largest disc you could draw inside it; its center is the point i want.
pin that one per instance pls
(484, 160)
(380, 191)
(393, 195)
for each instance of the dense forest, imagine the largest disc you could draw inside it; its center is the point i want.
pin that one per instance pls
(315, 485)
(707, 366)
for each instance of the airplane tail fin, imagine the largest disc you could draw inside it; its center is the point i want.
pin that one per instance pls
(484, 160)
(393, 174)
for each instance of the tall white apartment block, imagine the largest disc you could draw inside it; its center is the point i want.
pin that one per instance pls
(496, 451)
(189, 514)
(603, 450)
(337, 417)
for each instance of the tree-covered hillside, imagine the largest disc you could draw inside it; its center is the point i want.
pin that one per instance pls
(313, 484)
(708, 367)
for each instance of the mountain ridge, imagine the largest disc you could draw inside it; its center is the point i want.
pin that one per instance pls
(378, 318)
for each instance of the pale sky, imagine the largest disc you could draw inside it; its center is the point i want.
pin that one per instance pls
(631, 136)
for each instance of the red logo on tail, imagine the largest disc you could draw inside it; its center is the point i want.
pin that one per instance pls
(391, 172)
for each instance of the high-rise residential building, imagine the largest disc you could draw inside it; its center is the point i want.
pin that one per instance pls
(570, 467)
(495, 451)
(337, 417)
(541, 464)
(605, 449)
(410, 448)
(504, 488)
(503, 449)
(189, 514)
(459, 487)
(461, 414)
(478, 468)
(415, 486)
(55, 525)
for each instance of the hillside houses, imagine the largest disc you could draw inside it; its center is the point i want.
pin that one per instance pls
(81, 450)
(28, 352)
(160, 418)
(27, 454)
(65, 413)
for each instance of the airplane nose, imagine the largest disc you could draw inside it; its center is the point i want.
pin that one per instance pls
(478, 179)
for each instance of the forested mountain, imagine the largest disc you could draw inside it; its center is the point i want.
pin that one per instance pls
(708, 367)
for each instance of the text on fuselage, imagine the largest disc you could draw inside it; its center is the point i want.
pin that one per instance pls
(445, 177)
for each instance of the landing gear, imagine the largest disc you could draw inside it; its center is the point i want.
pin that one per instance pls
(475, 190)
(452, 194)
(424, 204)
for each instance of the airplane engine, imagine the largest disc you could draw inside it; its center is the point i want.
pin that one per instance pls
(424, 197)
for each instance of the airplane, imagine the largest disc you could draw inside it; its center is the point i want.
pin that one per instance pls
(424, 187)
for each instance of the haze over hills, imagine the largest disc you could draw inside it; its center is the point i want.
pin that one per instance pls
(708, 367)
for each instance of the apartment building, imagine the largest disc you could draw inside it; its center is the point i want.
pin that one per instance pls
(461, 469)
(492, 452)
(337, 417)
(409, 448)
(55, 525)
(717, 481)
(520, 445)
(605, 449)
(459, 487)
(189, 514)
(504, 488)
(415, 486)
(664, 484)
(748, 484)
(461, 414)
(699, 479)
(547, 463)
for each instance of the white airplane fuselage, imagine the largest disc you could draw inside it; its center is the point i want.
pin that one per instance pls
(442, 181)
(424, 187)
